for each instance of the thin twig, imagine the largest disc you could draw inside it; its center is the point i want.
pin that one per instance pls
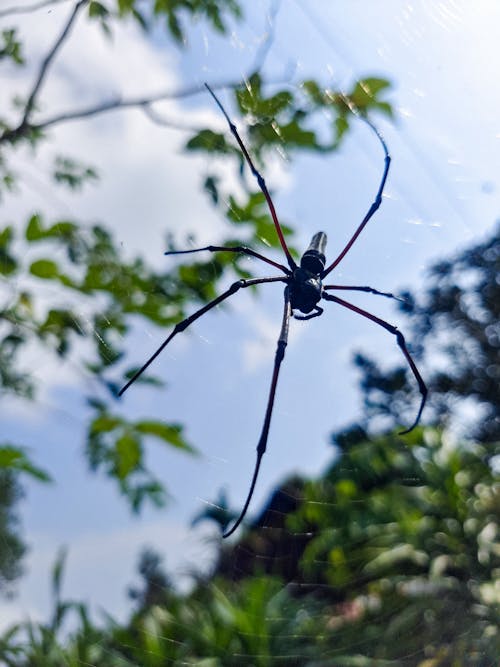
(48, 60)
(159, 119)
(26, 9)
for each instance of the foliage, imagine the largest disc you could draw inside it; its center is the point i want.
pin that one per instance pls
(407, 535)
(401, 565)
(456, 321)
(172, 12)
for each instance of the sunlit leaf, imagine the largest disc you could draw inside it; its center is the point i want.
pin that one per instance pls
(171, 433)
(105, 423)
(44, 268)
(34, 228)
(128, 454)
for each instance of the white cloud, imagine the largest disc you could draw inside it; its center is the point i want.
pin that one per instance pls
(147, 187)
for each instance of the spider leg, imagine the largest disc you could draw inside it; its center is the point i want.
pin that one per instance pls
(402, 345)
(364, 289)
(180, 326)
(262, 445)
(259, 177)
(319, 311)
(374, 207)
(239, 249)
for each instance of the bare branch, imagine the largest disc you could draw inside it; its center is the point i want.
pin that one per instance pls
(160, 119)
(112, 105)
(26, 9)
(48, 60)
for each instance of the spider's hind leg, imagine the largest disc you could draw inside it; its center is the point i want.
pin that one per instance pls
(364, 288)
(262, 445)
(400, 339)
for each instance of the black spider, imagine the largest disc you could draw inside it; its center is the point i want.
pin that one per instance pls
(303, 291)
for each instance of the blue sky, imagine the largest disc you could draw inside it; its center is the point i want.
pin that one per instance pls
(442, 193)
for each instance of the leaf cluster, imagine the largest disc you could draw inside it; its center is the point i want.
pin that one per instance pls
(172, 14)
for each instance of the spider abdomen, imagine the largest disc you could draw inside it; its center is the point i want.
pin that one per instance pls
(305, 290)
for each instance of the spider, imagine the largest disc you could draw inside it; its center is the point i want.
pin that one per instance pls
(304, 289)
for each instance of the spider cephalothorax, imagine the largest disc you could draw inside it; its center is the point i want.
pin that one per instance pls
(303, 291)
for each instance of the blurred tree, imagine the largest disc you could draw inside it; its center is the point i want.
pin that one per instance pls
(11, 546)
(155, 584)
(456, 321)
(13, 463)
(405, 531)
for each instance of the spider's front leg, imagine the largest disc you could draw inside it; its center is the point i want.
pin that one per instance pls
(180, 326)
(240, 249)
(262, 445)
(376, 203)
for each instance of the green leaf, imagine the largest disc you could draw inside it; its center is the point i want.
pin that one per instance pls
(34, 228)
(128, 454)
(105, 423)
(341, 127)
(140, 19)
(210, 142)
(143, 379)
(175, 28)
(171, 433)
(6, 236)
(125, 6)
(11, 47)
(374, 85)
(250, 100)
(57, 573)
(15, 458)
(365, 92)
(97, 10)
(294, 135)
(72, 173)
(44, 268)
(211, 186)
(36, 232)
(314, 92)
(8, 263)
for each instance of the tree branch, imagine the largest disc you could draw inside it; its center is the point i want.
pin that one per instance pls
(26, 9)
(118, 103)
(48, 60)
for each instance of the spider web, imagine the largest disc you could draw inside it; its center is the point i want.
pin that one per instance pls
(437, 198)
